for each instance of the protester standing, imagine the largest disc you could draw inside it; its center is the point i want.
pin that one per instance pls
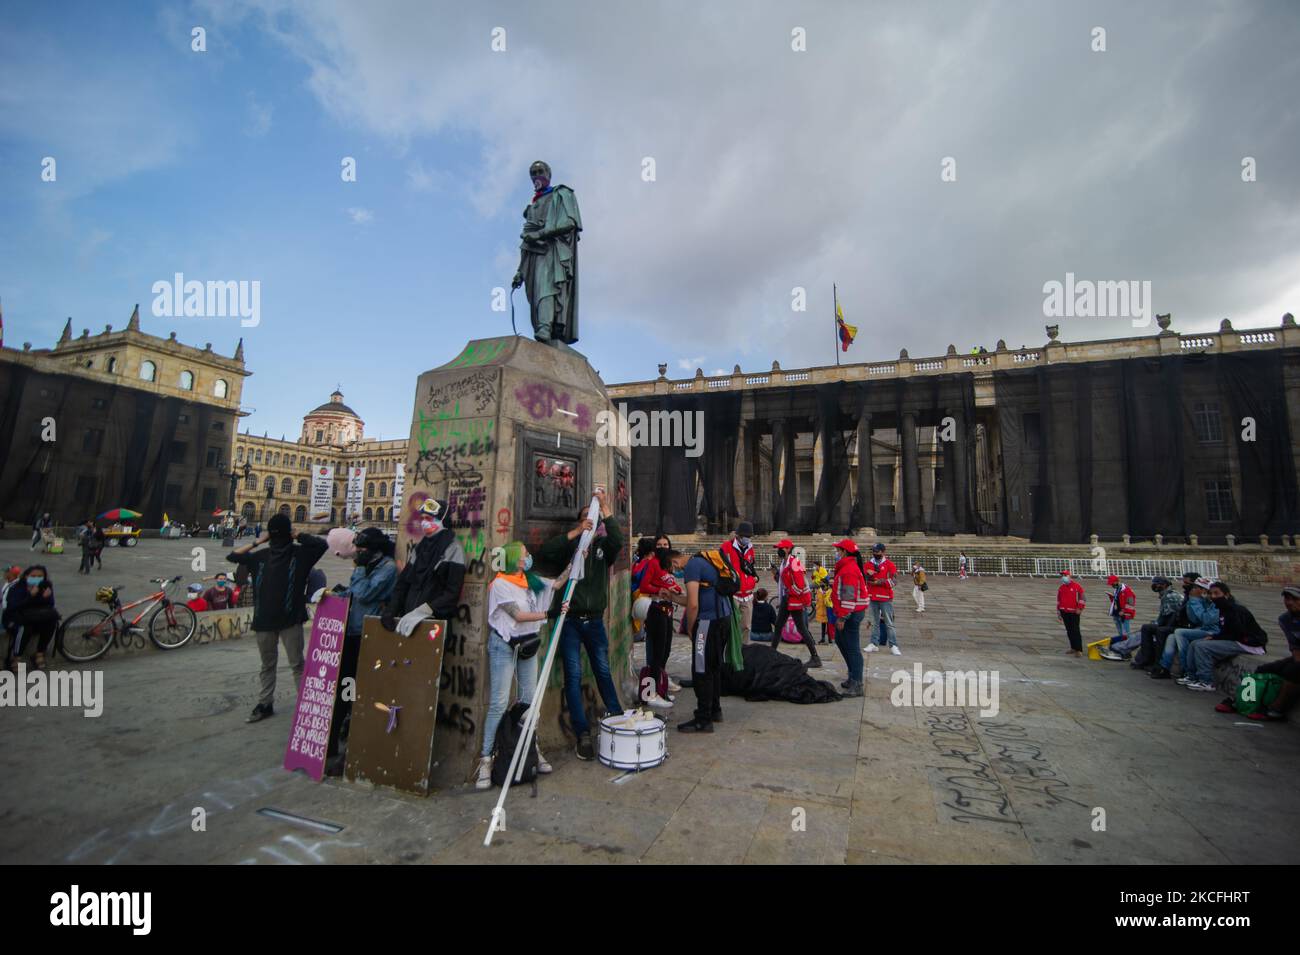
(1069, 606)
(1123, 608)
(881, 574)
(850, 595)
(86, 540)
(659, 583)
(430, 583)
(919, 587)
(793, 597)
(738, 550)
(279, 577)
(708, 621)
(41, 524)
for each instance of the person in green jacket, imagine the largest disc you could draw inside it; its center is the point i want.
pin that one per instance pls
(585, 624)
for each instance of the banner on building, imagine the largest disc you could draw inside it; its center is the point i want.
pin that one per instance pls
(355, 495)
(399, 487)
(322, 492)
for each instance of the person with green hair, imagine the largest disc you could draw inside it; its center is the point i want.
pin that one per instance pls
(517, 603)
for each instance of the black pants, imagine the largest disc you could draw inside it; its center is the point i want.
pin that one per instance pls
(658, 638)
(343, 708)
(40, 622)
(1153, 644)
(800, 624)
(1072, 630)
(86, 557)
(709, 641)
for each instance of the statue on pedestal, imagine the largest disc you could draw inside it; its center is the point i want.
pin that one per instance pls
(548, 258)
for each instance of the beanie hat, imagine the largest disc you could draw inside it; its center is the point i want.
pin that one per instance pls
(744, 529)
(279, 527)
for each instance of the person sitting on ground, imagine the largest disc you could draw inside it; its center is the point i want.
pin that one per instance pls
(1202, 621)
(1123, 608)
(195, 600)
(29, 611)
(1288, 667)
(220, 596)
(517, 605)
(1239, 632)
(1153, 634)
(764, 620)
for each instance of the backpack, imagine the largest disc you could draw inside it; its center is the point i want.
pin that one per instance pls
(728, 584)
(509, 732)
(1256, 692)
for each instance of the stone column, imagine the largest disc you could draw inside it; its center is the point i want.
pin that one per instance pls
(865, 504)
(962, 493)
(790, 485)
(779, 463)
(911, 473)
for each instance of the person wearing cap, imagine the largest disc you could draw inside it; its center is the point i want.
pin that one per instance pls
(850, 597)
(429, 585)
(793, 598)
(1239, 632)
(1288, 667)
(1202, 621)
(279, 578)
(196, 601)
(881, 574)
(1123, 608)
(738, 551)
(584, 625)
(374, 574)
(1069, 607)
(1154, 634)
(919, 587)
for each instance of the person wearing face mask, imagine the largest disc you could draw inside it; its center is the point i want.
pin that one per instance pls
(1069, 607)
(517, 605)
(29, 611)
(661, 586)
(1288, 667)
(738, 550)
(851, 597)
(1202, 621)
(793, 598)
(373, 577)
(219, 596)
(1239, 632)
(278, 574)
(881, 573)
(429, 585)
(1154, 634)
(1123, 608)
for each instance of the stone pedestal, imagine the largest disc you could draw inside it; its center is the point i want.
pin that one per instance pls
(514, 435)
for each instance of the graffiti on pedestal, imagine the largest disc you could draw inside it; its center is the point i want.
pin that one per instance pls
(542, 402)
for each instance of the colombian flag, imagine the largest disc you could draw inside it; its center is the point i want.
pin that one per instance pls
(847, 332)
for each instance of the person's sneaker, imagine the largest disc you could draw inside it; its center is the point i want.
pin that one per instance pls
(1269, 715)
(853, 689)
(1158, 673)
(872, 648)
(585, 750)
(1200, 686)
(483, 777)
(657, 702)
(260, 712)
(674, 686)
(543, 766)
(1225, 707)
(694, 726)
(844, 684)
(814, 664)
(1183, 680)
(1110, 655)
(895, 651)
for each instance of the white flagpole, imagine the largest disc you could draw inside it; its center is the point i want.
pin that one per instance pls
(498, 821)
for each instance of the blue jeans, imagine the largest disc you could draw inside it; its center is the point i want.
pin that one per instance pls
(847, 638)
(1206, 653)
(590, 634)
(502, 670)
(882, 621)
(1181, 641)
(1121, 629)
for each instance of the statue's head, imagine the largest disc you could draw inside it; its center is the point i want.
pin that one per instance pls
(540, 174)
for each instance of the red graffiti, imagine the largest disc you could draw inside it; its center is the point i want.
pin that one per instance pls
(504, 519)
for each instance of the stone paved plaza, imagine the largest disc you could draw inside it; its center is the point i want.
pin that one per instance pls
(1179, 783)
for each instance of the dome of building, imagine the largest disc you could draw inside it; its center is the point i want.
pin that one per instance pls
(332, 423)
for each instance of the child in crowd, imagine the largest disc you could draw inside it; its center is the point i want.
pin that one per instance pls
(763, 626)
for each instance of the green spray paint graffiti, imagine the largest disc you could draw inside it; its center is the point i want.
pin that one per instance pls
(447, 429)
(479, 353)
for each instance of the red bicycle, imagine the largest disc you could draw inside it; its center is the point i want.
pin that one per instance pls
(88, 634)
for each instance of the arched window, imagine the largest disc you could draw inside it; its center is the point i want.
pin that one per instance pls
(249, 511)
(300, 514)
(383, 489)
(252, 481)
(187, 381)
(112, 365)
(220, 388)
(370, 489)
(368, 514)
(269, 484)
(334, 515)
(258, 454)
(286, 486)
(302, 486)
(148, 371)
(379, 513)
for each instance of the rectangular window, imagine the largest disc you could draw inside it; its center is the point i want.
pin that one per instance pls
(1218, 501)
(209, 500)
(183, 419)
(172, 495)
(214, 455)
(1033, 427)
(1207, 422)
(92, 442)
(319, 436)
(218, 426)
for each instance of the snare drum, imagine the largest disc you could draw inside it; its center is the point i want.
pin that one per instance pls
(632, 741)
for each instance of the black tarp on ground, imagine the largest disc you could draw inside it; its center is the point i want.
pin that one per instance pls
(772, 675)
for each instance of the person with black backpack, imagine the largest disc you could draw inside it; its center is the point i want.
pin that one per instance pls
(517, 604)
(710, 585)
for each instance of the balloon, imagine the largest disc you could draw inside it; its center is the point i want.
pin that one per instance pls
(340, 542)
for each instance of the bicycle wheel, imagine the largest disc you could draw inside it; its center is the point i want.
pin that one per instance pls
(167, 635)
(85, 636)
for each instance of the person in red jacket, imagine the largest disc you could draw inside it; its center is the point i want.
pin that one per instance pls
(1123, 608)
(881, 572)
(738, 551)
(849, 598)
(793, 599)
(1069, 605)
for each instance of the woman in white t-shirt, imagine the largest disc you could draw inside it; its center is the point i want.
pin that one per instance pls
(517, 604)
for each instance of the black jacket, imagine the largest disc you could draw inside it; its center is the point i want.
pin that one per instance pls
(1240, 624)
(432, 576)
(279, 578)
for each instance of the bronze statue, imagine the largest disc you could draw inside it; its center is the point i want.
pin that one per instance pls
(548, 258)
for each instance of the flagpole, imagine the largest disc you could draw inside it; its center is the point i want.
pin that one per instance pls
(835, 320)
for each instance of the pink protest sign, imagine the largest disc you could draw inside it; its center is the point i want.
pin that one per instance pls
(309, 734)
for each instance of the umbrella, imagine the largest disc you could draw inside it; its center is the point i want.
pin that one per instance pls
(219, 512)
(120, 514)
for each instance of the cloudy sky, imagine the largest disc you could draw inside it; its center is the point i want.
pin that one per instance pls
(774, 169)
